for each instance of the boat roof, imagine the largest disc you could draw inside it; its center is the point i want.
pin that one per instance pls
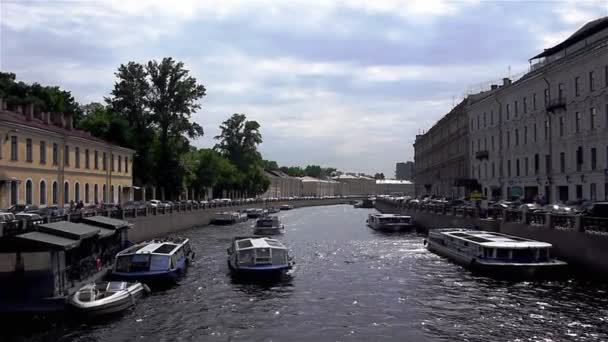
(155, 247)
(389, 215)
(70, 230)
(493, 239)
(257, 242)
(106, 222)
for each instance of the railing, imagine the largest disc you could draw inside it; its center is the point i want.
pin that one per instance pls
(563, 221)
(595, 225)
(536, 219)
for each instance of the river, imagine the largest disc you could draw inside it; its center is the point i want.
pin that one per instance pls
(350, 283)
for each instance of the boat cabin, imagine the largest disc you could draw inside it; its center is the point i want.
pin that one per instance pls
(252, 251)
(389, 219)
(268, 222)
(151, 257)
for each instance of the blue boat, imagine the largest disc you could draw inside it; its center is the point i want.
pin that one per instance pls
(158, 261)
(258, 256)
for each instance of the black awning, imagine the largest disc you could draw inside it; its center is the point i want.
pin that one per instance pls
(106, 222)
(69, 230)
(40, 239)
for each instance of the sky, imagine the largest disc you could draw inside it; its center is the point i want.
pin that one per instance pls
(346, 84)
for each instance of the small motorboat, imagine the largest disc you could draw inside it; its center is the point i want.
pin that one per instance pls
(229, 217)
(268, 225)
(258, 256)
(390, 222)
(108, 297)
(286, 207)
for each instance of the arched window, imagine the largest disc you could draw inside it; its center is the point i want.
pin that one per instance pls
(119, 194)
(112, 193)
(66, 192)
(29, 192)
(55, 193)
(42, 192)
(96, 194)
(14, 192)
(86, 192)
(104, 194)
(77, 192)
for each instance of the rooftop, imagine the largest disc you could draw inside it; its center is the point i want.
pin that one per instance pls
(393, 181)
(491, 239)
(250, 243)
(587, 30)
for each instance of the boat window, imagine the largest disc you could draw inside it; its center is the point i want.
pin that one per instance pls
(159, 263)
(543, 254)
(86, 296)
(274, 243)
(524, 255)
(115, 286)
(279, 256)
(502, 253)
(122, 263)
(244, 244)
(139, 263)
(246, 257)
(165, 248)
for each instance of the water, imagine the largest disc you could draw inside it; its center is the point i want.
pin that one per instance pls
(350, 283)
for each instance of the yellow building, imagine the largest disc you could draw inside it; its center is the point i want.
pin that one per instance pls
(45, 161)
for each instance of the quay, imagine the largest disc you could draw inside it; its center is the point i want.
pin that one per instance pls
(579, 240)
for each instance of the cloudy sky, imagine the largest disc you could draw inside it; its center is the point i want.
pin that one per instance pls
(338, 83)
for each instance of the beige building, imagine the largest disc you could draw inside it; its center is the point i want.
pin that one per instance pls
(394, 187)
(441, 156)
(282, 185)
(319, 187)
(546, 135)
(354, 185)
(45, 161)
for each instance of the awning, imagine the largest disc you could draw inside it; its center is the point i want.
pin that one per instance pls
(104, 233)
(106, 222)
(7, 179)
(69, 230)
(48, 240)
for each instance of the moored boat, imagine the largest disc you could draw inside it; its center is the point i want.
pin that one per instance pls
(105, 298)
(154, 261)
(228, 217)
(255, 212)
(390, 222)
(366, 203)
(495, 254)
(258, 256)
(268, 225)
(286, 207)
(273, 210)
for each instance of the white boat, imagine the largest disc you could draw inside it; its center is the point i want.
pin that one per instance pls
(255, 212)
(258, 256)
(390, 222)
(268, 225)
(495, 253)
(286, 207)
(105, 298)
(228, 217)
(273, 210)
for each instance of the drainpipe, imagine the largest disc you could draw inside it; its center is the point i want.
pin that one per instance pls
(549, 130)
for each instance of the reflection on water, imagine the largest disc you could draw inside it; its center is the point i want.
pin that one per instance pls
(350, 283)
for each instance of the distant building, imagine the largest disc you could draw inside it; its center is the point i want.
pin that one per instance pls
(353, 185)
(282, 185)
(405, 171)
(394, 187)
(319, 187)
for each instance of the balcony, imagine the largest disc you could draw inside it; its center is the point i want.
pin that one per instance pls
(555, 104)
(483, 154)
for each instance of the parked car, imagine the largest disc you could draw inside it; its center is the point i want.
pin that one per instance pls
(19, 208)
(530, 207)
(31, 219)
(597, 209)
(51, 210)
(8, 221)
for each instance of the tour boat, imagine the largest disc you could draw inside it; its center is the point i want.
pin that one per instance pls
(286, 207)
(105, 298)
(495, 253)
(268, 225)
(390, 222)
(228, 217)
(258, 256)
(154, 261)
(255, 212)
(273, 210)
(366, 203)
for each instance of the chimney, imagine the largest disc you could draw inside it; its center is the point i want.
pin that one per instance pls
(68, 121)
(506, 81)
(494, 86)
(29, 111)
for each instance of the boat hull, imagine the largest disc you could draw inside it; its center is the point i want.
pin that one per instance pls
(542, 270)
(268, 230)
(259, 271)
(115, 304)
(392, 227)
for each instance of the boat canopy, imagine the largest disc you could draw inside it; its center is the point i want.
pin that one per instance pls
(254, 243)
(494, 240)
(155, 247)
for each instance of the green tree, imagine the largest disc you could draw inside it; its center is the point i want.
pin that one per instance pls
(293, 171)
(101, 122)
(270, 165)
(379, 176)
(238, 141)
(314, 171)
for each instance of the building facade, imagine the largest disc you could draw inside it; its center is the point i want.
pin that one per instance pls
(546, 135)
(282, 185)
(404, 171)
(319, 187)
(441, 156)
(394, 187)
(45, 161)
(353, 185)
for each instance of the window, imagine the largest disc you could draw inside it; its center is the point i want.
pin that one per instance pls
(548, 164)
(104, 194)
(66, 192)
(29, 192)
(112, 193)
(591, 81)
(77, 157)
(536, 164)
(493, 171)
(592, 114)
(55, 193)
(119, 163)
(478, 144)
(42, 192)
(561, 126)
(104, 162)
(492, 143)
(508, 110)
(28, 150)
(560, 91)
(491, 117)
(477, 126)
(577, 86)
(562, 162)
(127, 164)
(66, 156)
(14, 193)
(55, 154)
(508, 168)
(76, 192)
(534, 106)
(485, 143)
(87, 161)
(484, 119)
(96, 194)
(517, 167)
(546, 129)
(86, 192)
(516, 137)
(526, 166)
(546, 96)
(525, 105)
(577, 124)
(112, 161)
(485, 170)
(96, 161)
(14, 150)
(508, 139)
(42, 152)
(579, 159)
(606, 76)
(535, 135)
(516, 108)
(593, 158)
(579, 191)
(592, 191)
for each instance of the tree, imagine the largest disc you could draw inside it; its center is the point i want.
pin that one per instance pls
(172, 99)
(293, 171)
(270, 165)
(314, 171)
(379, 176)
(239, 140)
(101, 122)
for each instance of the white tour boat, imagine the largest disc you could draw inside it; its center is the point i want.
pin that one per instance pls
(228, 217)
(499, 254)
(258, 256)
(105, 298)
(268, 225)
(390, 222)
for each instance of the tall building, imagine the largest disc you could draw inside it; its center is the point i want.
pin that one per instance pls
(546, 135)
(44, 161)
(441, 156)
(404, 171)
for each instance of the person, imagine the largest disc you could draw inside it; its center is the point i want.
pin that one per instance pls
(80, 205)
